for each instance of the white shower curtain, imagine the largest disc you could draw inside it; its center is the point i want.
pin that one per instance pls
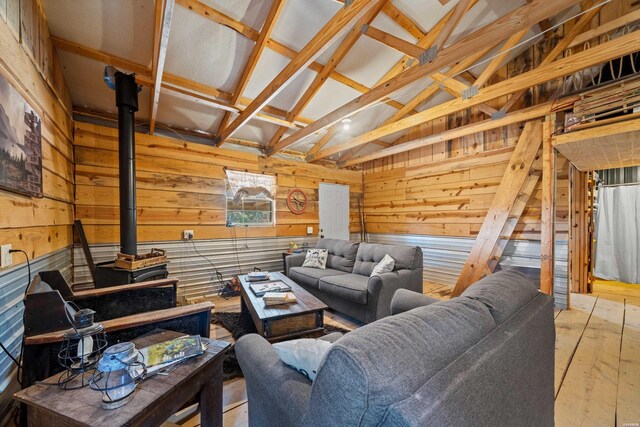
(618, 234)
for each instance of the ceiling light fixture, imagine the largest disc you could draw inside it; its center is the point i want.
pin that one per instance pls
(346, 124)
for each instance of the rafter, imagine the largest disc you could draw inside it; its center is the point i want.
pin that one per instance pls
(620, 46)
(459, 132)
(163, 13)
(338, 25)
(210, 13)
(261, 42)
(215, 97)
(499, 30)
(459, 11)
(392, 41)
(346, 45)
(561, 46)
(497, 60)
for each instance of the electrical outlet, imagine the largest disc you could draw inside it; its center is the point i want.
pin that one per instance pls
(309, 230)
(187, 235)
(5, 256)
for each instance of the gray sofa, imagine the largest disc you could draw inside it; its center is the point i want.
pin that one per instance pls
(345, 284)
(485, 358)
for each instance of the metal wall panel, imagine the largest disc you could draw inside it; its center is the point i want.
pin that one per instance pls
(13, 283)
(444, 257)
(190, 261)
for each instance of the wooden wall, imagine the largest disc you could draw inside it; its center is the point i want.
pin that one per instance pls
(38, 225)
(449, 197)
(180, 185)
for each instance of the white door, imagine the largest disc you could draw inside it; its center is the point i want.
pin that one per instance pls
(334, 211)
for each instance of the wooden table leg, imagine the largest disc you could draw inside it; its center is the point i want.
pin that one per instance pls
(210, 397)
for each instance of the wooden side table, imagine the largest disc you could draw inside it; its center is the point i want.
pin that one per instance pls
(155, 399)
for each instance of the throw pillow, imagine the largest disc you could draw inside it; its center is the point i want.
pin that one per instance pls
(316, 258)
(385, 265)
(303, 355)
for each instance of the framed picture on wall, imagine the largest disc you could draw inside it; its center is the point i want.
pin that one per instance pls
(20, 144)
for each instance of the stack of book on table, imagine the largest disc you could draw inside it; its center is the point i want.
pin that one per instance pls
(258, 276)
(262, 288)
(276, 298)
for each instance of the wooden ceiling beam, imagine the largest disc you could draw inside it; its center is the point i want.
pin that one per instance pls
(338, 25)
(210, 13)
(599, 54)
(459, 11)
(559, 48)
(163, 13)
(215, 97)
(423, 43)
(406, 23)
(392, 41)
(485, 125)
(258, 48)
(491, 34)
(605, 28)
(497, 60)
(344, 48)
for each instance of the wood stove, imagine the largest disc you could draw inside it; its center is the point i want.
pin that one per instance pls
(108, 273)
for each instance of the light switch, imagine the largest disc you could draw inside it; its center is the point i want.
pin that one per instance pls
(309, 230)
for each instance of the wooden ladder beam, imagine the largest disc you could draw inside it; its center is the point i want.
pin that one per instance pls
(516, 186)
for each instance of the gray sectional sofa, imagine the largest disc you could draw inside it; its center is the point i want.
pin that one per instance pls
(485, 358)
(345, 284)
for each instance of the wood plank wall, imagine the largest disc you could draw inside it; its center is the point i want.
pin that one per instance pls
(38, 225)
(181, 185)
(450, 197)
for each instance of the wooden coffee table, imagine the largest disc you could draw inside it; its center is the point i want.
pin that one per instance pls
(275, 323)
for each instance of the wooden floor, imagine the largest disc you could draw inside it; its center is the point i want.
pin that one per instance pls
(597, 372)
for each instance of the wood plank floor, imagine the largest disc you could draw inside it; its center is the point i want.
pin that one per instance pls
(597, 370)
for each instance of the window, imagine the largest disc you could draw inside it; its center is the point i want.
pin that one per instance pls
(250, 198)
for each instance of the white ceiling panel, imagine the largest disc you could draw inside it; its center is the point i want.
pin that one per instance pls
(206, 52)
(120, 27)
(176, 109)
(88, 89)
(249, 12)
(300, 20)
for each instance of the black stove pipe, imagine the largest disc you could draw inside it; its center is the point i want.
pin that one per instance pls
(127, 103)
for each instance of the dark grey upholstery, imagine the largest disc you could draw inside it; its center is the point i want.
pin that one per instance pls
(350, 287)
(447, 363)
(342, 253)
(311, 276)
(405, 300)
(369, 254)
(356, 294)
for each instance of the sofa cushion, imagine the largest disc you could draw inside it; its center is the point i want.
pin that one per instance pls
(503, 293)
(386, 361)
(342, 253)
(351, 287)
(309, 276)
(370, 254)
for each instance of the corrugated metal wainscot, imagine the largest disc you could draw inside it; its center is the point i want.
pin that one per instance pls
(13, 283)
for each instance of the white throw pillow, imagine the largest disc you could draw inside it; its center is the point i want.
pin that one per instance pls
(385, 265)
(316, 258)
(303, 355)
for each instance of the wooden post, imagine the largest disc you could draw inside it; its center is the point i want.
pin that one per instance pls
(547, 231)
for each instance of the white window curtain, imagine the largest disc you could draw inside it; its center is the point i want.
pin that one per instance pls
(618, 233)
(251, 184)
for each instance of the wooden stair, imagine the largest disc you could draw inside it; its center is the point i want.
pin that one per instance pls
(517, 185)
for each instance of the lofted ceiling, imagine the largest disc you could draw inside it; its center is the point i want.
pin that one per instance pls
(212, 58)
